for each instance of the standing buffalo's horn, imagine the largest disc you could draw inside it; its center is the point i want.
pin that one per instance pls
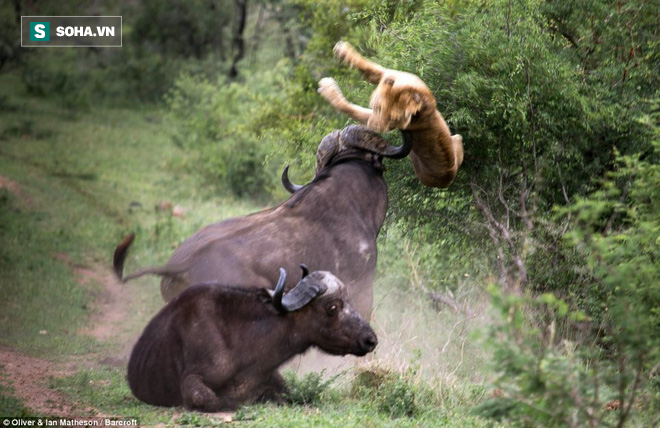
(328, 148)
(288, 185)
(279, 290)
(405, 148)
(361, 138)
(302, 294)
(305, 270)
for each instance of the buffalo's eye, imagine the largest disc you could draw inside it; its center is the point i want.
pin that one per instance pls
(333, 309)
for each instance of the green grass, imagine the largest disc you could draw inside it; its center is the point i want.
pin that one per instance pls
(89, 177)
(10, 405)
(86, 179)
(106, 389)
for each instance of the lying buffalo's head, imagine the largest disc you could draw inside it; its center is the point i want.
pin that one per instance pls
(353, 141)
(319, 305)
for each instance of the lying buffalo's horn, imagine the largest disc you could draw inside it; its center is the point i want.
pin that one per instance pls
(279, 290)
(359, 137)
(288, 185)
(302, 294)
(305, 270)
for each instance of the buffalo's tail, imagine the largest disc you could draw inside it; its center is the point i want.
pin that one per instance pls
(120, 255)
(120, 258)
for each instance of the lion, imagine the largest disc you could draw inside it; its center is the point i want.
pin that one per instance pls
(401, 101)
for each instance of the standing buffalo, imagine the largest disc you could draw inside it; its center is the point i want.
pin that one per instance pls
(331, 223)
(215, 347)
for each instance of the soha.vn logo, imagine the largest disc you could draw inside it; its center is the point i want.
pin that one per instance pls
(39, 31)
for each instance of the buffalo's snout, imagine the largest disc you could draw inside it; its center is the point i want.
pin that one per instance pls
(369, 341)
(366, 342)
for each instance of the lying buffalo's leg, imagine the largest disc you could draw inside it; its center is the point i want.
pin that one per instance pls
(274, 389)
(329, 90)
(196, 395)
(371, 71)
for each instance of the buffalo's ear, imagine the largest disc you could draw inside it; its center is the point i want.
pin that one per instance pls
(279, 291)
(266, 296)
(305, 270)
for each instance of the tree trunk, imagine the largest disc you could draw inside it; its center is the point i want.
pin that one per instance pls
(258, 28)
(238, 42)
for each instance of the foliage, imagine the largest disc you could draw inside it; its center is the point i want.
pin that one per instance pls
(617, 233)
(213, 127)
(396, 397)
(543, 375)
(161, 40)
(184, 29)
(11, 52)
(394, 394)
(559, 367)
(10, 47)
(86, 78)
(308, 389)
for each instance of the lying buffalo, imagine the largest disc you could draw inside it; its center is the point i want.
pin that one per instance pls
(331, 223)
(216, 347)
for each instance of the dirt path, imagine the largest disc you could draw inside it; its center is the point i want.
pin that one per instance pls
(29, 376)
(15, 189)
(10, 185)
(110, 306)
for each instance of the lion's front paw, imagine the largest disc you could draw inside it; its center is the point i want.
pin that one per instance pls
(328, 84)
(329, 89)
(344, 51)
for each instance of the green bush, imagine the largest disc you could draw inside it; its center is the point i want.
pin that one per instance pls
(176, 28)
(396, 397)
(161, 40)
(542, 374)
(560, 366)
(214, 127)
(82, 78)
(308, 389)
(393, 393)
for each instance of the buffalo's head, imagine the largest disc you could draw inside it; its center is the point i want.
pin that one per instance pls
(353, 141)
(319, 304)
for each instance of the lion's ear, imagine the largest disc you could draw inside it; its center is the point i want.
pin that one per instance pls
(412, 101)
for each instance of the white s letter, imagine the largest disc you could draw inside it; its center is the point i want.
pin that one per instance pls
(39, 32)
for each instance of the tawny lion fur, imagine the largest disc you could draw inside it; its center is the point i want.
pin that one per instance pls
(401, 101)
